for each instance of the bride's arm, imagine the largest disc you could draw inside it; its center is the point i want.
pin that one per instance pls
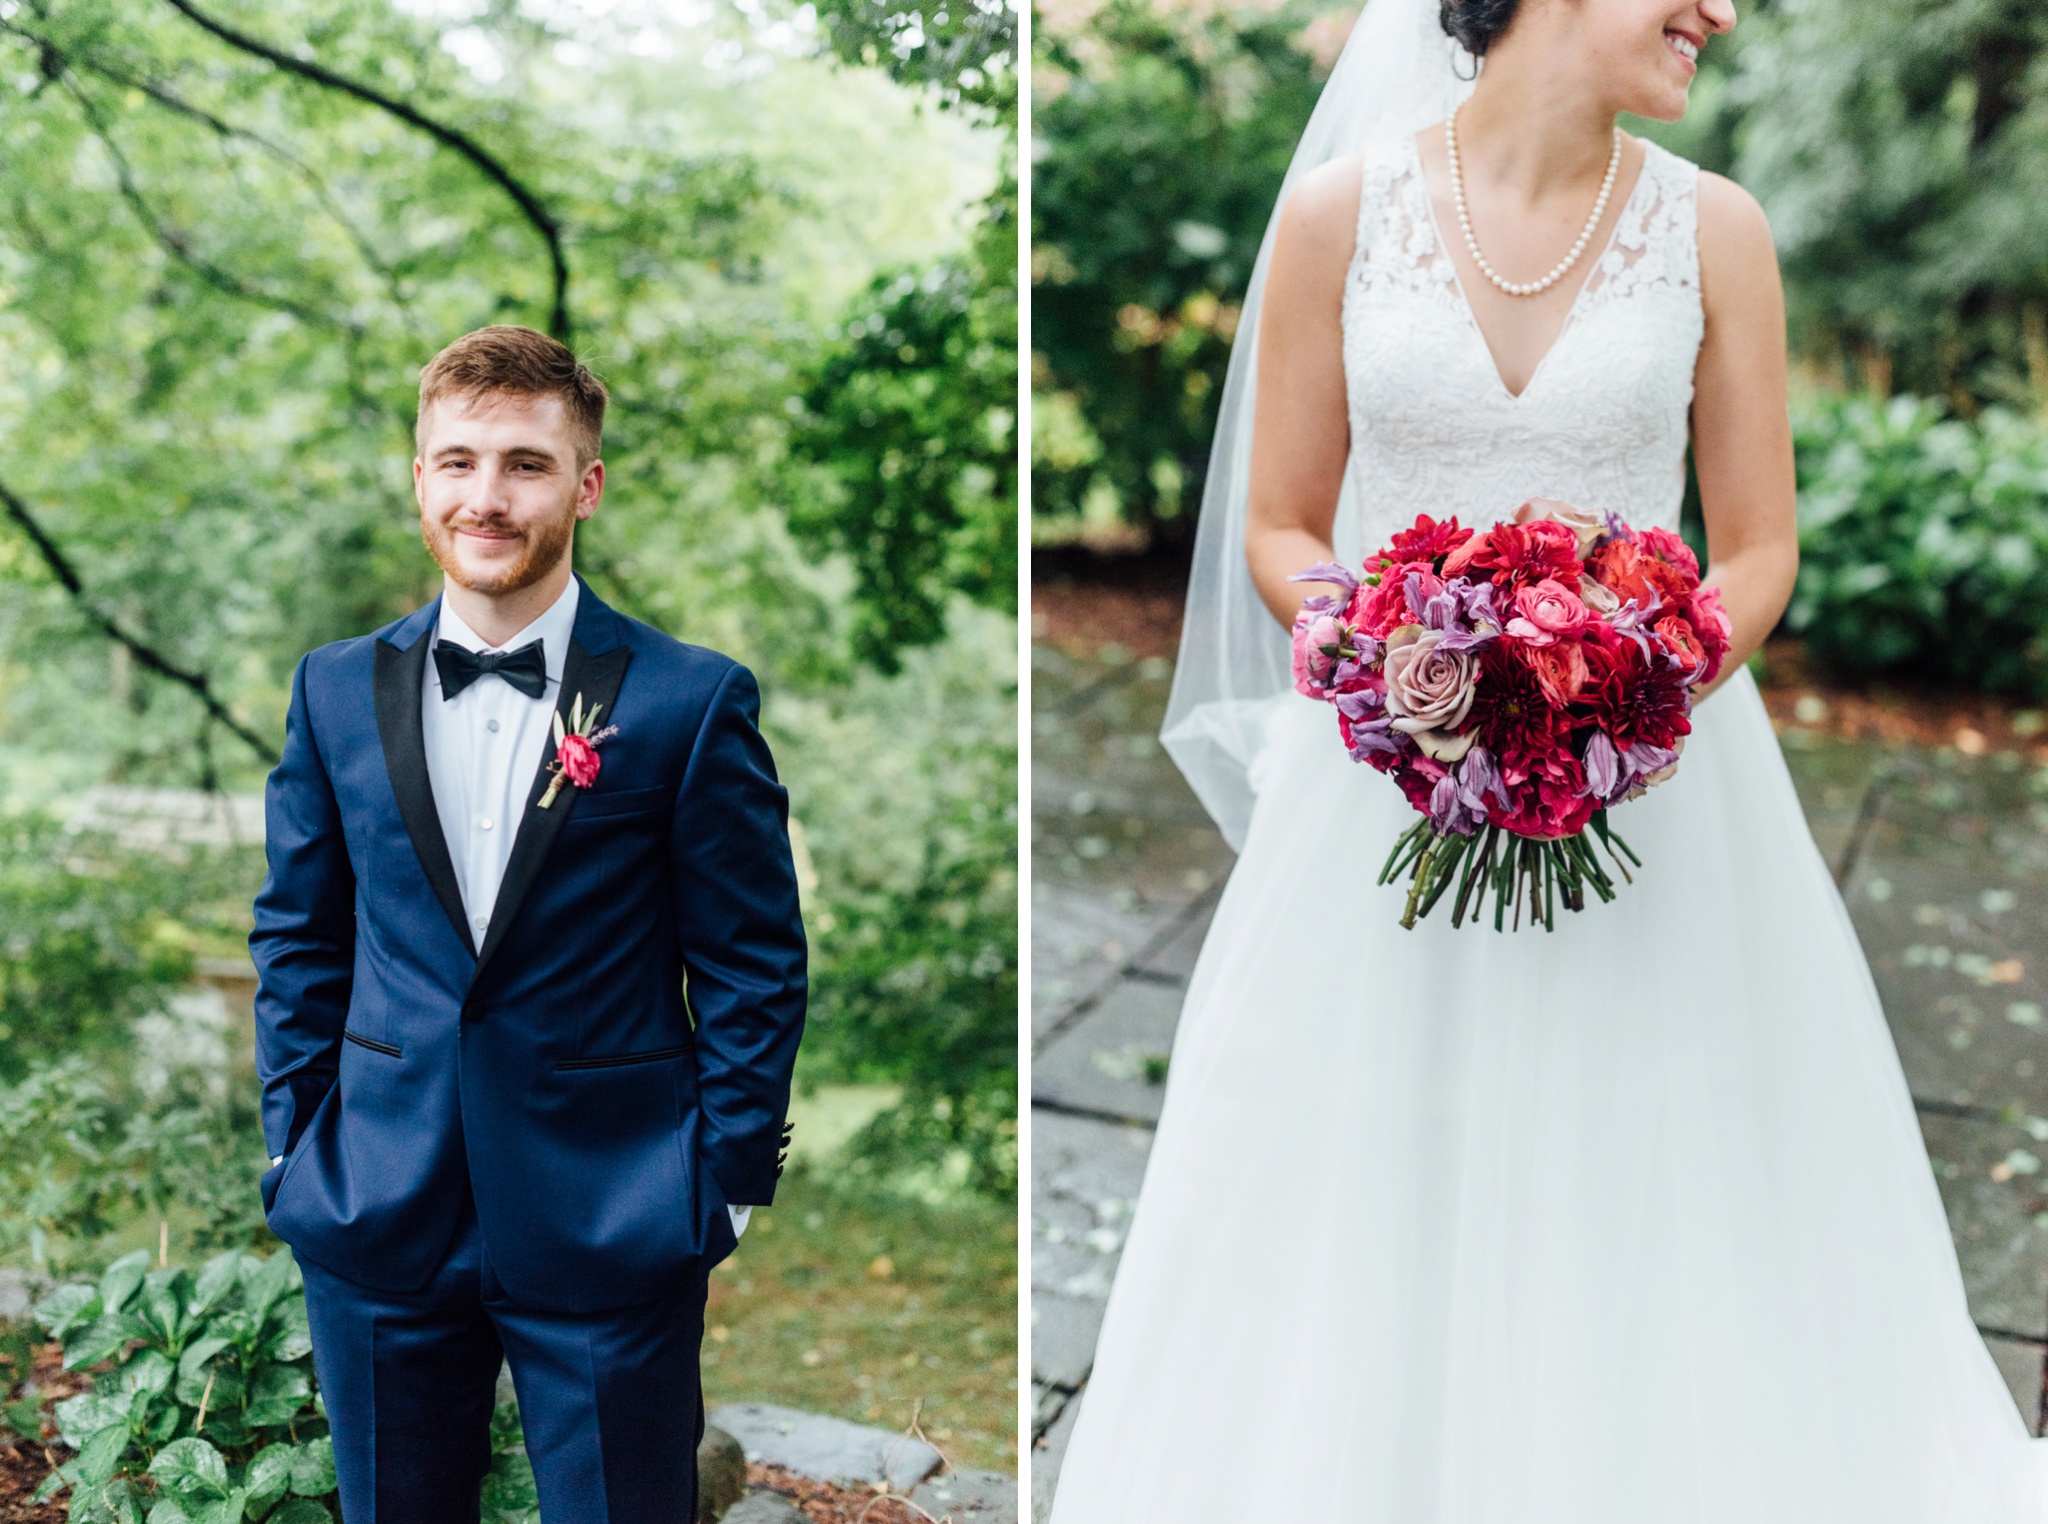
(1741, 434)
(1300, 436)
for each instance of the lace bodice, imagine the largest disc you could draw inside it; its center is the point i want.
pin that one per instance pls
(1602, 422)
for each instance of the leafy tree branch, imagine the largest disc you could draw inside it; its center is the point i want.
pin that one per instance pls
(66, 574)
(542, 219)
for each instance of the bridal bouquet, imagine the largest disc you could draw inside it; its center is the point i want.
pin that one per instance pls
(1516, 683)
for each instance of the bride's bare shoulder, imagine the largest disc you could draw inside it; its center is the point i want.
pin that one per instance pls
(1318, 226)
(1738, 260)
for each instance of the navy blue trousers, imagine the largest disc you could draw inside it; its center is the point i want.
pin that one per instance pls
(610, 1401)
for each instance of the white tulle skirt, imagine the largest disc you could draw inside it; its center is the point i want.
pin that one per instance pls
(1629, 1223)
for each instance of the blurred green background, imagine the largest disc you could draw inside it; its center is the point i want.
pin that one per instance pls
(231, 233)
(1900, 148)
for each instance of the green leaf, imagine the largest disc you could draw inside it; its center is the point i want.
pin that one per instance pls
(313, 1468)
(192, 1468)
(81, 1417)
(263, 1285)
(169, 1511)
(192, 1372)
(25, 1416)
(100, 1454)
(162, 1303)
(276, 1395)
(147, 1370)
(270, 1477)
(301, 1511)
(106, 1338)
(227, 1510)
(217, 1278)
(68, 1307)
(124, 1276)
(293, 1338)
(50, 1486)
(509, 1488)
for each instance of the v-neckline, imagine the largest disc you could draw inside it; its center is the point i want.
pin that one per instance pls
(1571, 314)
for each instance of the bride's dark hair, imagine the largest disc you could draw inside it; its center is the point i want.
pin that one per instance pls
(1475, 25)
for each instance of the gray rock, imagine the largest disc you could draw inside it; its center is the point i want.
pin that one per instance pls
(20, 1290)
(969, 1497)
(826, 1449)
(765, 1508)
(721, 1474)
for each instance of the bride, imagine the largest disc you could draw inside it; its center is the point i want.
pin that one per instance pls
(1628, 1223)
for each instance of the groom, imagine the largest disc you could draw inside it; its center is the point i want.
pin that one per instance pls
(531, 978)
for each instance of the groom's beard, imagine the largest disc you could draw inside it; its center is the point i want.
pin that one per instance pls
(541, 549)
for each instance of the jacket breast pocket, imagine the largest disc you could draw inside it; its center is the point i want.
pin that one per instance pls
(626, 801)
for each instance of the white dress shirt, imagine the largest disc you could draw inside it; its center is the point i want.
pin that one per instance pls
(484, 748)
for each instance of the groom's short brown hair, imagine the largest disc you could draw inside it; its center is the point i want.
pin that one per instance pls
(508, 358)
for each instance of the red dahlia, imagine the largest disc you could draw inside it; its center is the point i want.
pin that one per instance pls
(1509, 708)
(1516, 556)
(1633, 697)
(1425, 540)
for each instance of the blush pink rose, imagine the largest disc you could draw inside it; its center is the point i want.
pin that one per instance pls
(1547, 612)
(579, 760)
(1586, 525)
(1598, 597)
(1427, 689)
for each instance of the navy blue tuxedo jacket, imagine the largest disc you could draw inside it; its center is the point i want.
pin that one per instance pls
(602, 1118)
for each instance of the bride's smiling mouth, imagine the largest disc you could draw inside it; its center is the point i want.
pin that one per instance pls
(1686, 46)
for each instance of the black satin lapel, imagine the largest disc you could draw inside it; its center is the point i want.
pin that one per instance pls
(596, 678)
(397, 678)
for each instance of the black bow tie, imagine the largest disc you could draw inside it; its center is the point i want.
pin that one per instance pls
(525, 669)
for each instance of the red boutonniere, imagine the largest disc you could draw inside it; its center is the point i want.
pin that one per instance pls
(576, 758)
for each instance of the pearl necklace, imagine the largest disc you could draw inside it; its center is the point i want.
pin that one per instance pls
(1533, 287)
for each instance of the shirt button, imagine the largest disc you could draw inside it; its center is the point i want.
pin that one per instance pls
(485, 822)
(491, 725)
(482, 921)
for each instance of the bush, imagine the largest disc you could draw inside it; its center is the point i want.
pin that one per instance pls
(1923, 540)
(82, 1152)
(207, 1412)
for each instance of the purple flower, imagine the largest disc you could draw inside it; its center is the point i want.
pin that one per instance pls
(1617, 526)
(1603, 766)
(1373, 736)
(1328, 571)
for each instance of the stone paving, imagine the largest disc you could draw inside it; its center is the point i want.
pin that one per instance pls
(1944, 864)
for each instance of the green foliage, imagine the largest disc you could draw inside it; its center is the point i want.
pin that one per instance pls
(1164, 133)
(910, 407)
(82, 1151)
(94, 934)
(1923, 542)
(208, 1414)
(963, 50)
(913, 418)
(1901, 151)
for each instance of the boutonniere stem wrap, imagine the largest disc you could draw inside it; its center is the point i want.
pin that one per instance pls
(576, 760)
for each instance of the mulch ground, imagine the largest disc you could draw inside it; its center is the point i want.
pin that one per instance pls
(826, 1504)
(1083, 616)
(24, 1464)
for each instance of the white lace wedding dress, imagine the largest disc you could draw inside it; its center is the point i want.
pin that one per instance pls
(1629, 1223)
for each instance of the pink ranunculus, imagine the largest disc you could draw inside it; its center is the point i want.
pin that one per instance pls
(579, 760)
(1582, 522)
(1427, 689)
(1547, 612)
(1321, 641)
